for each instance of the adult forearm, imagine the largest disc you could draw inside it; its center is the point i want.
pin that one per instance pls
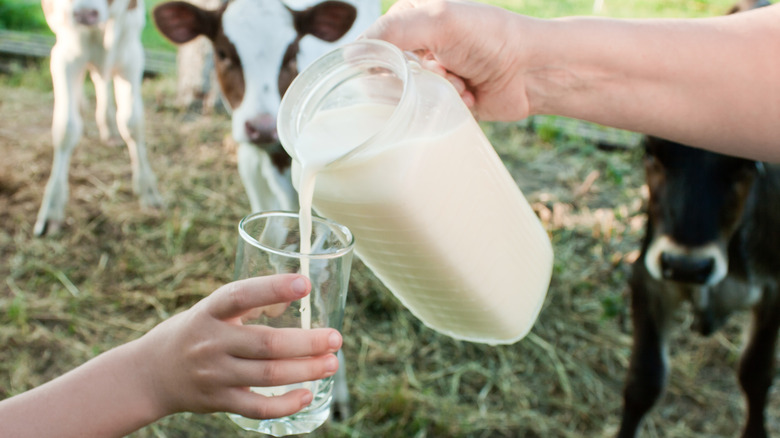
(713, 83)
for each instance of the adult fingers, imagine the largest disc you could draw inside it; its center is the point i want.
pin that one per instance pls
(262, 342)
(233, 299)
(409, 25)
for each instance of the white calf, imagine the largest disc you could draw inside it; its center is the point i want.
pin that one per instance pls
(259, 47)
(104, 37)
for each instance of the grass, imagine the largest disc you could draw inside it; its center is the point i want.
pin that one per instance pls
(118, 270)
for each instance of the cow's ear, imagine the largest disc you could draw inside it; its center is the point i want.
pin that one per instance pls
(327, 21)
(182, 22)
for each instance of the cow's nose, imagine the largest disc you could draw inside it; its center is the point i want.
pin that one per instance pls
(261, 129)
(86, 16)
(685, 268)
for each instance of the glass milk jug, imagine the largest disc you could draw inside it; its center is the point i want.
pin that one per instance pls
(390, 150)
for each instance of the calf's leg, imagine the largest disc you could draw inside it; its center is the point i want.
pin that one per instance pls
(756, 366)
(105, 113)
(651, 308)
(130, 122)
(67, 127)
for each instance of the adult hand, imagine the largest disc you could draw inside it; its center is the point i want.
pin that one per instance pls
(475, 46)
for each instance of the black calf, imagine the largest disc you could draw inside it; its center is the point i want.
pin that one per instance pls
(712, 240)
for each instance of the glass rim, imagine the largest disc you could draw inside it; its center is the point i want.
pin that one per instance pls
(349, 237)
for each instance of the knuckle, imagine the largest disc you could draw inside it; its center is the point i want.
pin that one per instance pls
(271, 343)
(271, 373)
(236, 295)
(261, 409)
(318, 343)
(206, 379)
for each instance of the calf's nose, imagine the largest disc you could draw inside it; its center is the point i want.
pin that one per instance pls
(86, 16)
(261, 129)
(685, 268)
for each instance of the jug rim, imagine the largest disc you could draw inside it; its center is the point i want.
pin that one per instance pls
(349, 238)
(312, 79)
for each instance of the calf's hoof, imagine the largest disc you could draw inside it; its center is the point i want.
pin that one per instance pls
(45, 226)
(150, 198)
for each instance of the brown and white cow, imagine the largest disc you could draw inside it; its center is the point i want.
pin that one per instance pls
(104, 38)
(259, 47)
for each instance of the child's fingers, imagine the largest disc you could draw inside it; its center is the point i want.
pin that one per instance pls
(262, 342)
(266, 373)
(233, 299)
(251, 405)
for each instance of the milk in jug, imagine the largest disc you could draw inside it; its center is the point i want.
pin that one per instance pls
(390, 150)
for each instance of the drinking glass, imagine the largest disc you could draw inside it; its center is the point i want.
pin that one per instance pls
(270, 243)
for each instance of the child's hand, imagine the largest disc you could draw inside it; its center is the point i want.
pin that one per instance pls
(205, 359)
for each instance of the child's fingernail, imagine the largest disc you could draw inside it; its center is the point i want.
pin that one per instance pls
(332, 364)
(299, 286)
(334, 340)
(307, 398)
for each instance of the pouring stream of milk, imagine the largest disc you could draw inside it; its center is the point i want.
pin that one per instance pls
(324, 140)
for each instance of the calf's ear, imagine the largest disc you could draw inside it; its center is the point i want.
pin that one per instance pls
(327, 21)
(182, 22)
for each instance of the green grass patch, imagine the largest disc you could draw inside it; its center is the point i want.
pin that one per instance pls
(23, 15)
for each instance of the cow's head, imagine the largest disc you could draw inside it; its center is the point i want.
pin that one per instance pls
(256, 48)
(697, 199)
